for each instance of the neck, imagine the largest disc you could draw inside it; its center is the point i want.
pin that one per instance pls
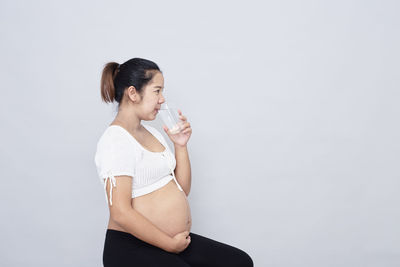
(129, 120)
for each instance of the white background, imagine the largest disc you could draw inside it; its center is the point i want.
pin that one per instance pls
(293, 106)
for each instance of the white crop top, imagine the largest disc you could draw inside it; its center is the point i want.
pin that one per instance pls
(119, 153)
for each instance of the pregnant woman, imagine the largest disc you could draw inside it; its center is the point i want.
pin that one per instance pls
(146, 185)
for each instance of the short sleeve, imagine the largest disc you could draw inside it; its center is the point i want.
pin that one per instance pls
(115, 155)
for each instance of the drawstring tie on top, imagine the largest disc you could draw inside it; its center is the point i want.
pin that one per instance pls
(112, 183)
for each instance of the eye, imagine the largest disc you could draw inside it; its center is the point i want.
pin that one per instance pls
(158, 90)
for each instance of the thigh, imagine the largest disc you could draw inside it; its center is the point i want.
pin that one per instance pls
(206, 252)
(145, 257)
(152, 256)
(121, 249)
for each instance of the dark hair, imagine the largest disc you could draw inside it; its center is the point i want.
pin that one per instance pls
(116, 78)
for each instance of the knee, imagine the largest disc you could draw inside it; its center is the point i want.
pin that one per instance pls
(244, 260)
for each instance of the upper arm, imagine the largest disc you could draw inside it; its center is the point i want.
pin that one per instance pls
(121, 194)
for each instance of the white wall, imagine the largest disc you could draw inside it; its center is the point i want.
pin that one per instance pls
(293, 106)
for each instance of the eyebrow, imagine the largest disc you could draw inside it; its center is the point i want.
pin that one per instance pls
(157, 86)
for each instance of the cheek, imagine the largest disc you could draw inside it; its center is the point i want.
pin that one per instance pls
(151, 105)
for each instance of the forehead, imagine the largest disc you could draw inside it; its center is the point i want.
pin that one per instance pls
(158, 80)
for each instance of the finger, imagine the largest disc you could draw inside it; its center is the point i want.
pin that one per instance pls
(188, 130)
(166, 129)
(183, 118)
(186, 125)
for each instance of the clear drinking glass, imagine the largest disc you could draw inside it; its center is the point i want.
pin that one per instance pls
(170, 116)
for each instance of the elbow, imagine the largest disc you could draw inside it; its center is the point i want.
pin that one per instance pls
(187, 189)
(187, 192)
(118, 215)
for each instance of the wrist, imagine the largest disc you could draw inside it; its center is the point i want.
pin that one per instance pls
(179, 146)
(168, 244)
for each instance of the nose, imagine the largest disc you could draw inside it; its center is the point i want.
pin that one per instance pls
(162, 99)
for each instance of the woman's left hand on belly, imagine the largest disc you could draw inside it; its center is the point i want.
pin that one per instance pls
(183, 136)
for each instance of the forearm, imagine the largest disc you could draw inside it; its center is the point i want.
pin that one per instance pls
(136, 224)
(183, 170)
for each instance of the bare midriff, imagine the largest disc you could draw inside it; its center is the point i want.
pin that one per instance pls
(167, 208)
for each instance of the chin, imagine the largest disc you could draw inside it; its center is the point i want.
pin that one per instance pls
(152, 118)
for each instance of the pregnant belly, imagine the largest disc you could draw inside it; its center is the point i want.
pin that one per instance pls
(167, 208)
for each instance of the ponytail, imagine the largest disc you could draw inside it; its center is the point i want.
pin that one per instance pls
(107, 82)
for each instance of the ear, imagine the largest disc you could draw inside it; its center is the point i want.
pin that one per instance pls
(132, 93)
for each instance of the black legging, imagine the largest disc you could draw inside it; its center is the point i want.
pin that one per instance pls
(121, 249)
